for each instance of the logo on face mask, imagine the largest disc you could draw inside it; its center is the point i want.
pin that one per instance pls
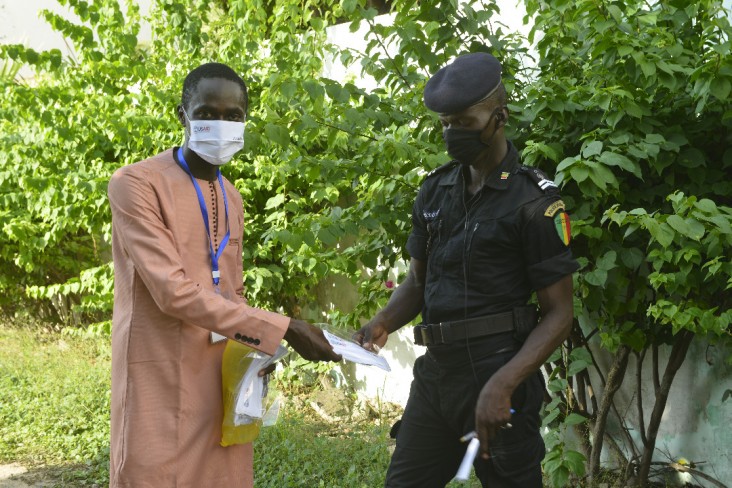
(199, 129)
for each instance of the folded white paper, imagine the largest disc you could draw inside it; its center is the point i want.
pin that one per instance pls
(351, 351)
(470, 454)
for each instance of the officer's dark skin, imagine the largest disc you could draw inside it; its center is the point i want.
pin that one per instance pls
(494, 401)
(222, 99)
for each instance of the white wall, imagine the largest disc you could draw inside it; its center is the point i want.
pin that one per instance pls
(21, 23)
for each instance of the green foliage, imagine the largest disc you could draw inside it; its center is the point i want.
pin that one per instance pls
(632, 100)
(54, 400)
(562, 463)
(328, 174)
(629, 105)
(330, 168)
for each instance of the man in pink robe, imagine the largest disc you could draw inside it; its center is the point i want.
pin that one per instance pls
(169, 300)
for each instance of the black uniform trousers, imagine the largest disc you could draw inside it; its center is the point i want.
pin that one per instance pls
(441, 409)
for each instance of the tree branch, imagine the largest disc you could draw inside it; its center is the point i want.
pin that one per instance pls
(678, 354)
(639, 392)
(614, 380)
(386, 52)
(656, 381)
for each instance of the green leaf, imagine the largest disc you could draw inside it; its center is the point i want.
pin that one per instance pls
(607, 261)
(576, 367)
(664, 234)
(574, 419)
(327, 237)
(706, 205)
(602, 177)
(579, 173)
(275, 201)
(690, 227)
(615, 12)
(277, 134)
(632, 258)
(596, 277)
(591, 149)
(720, 88)
(614, 159)
(566, 163)
(560, 476)
(550, 417)
(349, 6)
(575, 461)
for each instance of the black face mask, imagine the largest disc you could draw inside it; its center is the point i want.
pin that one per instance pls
(466, 145)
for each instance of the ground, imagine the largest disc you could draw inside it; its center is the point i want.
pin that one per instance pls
(16, 476)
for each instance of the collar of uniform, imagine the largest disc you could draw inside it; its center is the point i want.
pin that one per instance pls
(508, 165)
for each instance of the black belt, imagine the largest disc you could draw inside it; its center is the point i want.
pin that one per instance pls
(447, 332)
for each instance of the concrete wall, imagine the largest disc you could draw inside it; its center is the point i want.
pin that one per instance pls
(697, 422)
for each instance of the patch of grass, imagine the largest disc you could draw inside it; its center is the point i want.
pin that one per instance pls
(54, 400)
(299, 452)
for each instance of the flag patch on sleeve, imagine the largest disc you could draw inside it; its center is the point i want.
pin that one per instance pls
(561, 223)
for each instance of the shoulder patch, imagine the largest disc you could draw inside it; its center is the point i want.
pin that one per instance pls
(538, 177)
(564, 227)
(555, 207)
(443, 168)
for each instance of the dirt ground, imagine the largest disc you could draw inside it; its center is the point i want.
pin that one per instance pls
(16, 476)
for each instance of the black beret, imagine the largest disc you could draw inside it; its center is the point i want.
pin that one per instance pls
(466, 81)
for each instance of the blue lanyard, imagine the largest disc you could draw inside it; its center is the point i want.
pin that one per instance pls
(215, 255)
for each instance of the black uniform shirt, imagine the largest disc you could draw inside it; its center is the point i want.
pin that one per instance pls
(487, 253)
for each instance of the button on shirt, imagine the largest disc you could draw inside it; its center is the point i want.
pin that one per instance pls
(488, 252)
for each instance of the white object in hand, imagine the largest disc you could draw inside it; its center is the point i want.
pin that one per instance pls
(352, 351)
(470, 453)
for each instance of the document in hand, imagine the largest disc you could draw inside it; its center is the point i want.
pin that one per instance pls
(351, 351)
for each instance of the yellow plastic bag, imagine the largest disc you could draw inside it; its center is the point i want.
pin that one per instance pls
(233, 368)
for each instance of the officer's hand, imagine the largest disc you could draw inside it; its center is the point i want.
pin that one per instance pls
(269, 369)
(372, 336)
(309, 342)
(492, 411)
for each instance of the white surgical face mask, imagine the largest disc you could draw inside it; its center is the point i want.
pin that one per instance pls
(216, 141)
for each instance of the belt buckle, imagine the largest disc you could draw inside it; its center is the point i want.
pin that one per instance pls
(423, 335)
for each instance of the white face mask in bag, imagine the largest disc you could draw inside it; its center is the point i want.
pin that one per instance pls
(216, 141)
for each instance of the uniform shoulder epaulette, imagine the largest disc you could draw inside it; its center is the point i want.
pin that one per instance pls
(445, 167)
(538, 177)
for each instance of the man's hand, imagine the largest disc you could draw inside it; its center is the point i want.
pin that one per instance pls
(309, 342)
(372, 336)
(269, 369)
(492, 411)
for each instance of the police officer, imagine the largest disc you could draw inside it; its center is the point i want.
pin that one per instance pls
(487, 233)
